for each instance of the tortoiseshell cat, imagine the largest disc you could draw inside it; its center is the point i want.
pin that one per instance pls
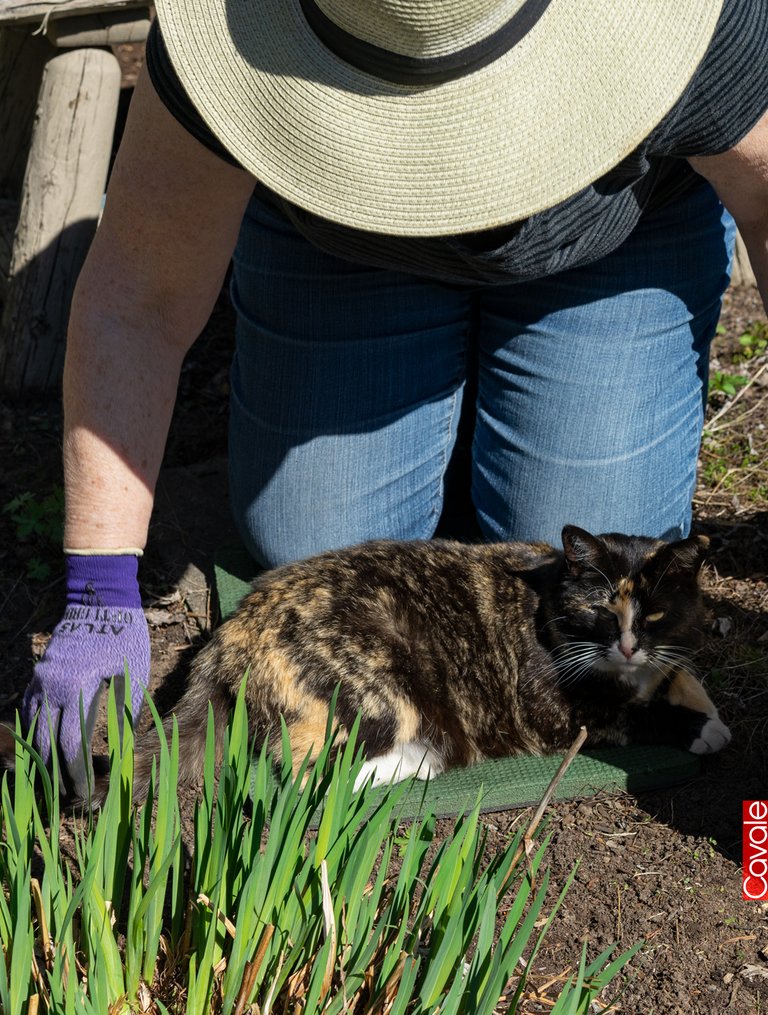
(454, 653)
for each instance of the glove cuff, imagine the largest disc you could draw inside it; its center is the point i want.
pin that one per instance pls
(102, 580)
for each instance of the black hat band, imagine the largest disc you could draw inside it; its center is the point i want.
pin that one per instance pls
(412, 70)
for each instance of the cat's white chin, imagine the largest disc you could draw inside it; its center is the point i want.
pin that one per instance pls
(637, 672)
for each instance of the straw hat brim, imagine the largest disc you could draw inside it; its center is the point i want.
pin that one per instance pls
(555, 113)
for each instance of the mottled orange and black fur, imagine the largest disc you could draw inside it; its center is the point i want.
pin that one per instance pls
(454, 653)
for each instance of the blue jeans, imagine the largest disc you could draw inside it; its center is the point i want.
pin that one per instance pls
(588, 388)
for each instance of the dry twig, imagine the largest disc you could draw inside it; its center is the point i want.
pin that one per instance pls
(527, 842)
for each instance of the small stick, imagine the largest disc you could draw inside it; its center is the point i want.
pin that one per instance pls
(618, 913)
(525, 845)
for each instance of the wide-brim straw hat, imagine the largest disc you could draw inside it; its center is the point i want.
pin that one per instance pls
(432, 117)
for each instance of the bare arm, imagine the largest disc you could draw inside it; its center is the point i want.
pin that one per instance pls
(740, 177)
(146, 290)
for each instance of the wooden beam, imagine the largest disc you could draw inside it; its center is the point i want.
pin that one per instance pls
(21, 11)
(111, 29)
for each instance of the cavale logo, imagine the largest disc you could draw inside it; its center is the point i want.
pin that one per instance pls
(754, 879)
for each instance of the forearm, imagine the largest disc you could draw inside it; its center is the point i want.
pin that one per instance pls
(119, 389)
(740, 177)
(147, 287)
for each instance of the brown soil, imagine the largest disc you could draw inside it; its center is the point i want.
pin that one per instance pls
(662, 867)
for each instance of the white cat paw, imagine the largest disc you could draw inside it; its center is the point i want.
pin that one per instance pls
(714, 736)
(402, 761)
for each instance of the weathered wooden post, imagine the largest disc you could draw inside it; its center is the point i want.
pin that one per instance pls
(60, 202)
(742, 273)
(22, 58)
(59, 87)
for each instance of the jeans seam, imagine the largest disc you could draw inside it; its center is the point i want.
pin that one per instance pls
(438, 500)
(439, 494)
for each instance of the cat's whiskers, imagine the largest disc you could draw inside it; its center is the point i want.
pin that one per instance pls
(565, 678)
(667, 664)
(554, 620)
(673, 651)
(574, 659)
(573, 648)
(658, 664)
(672, 656)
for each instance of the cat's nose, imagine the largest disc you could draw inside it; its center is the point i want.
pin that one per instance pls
(627, 646)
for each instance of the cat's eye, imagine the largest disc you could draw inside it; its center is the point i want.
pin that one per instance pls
(603, 612)
(653, 618)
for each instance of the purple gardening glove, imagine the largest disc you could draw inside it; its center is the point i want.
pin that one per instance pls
(103, 630)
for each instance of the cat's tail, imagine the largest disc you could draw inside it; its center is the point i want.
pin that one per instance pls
(192, 718)
(191, 714)
(7, 747)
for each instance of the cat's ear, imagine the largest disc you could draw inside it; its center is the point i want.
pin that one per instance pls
(583, 551)
(680, 559)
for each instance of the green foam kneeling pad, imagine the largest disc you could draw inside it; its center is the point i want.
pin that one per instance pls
(234, 571)
(504, 782)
